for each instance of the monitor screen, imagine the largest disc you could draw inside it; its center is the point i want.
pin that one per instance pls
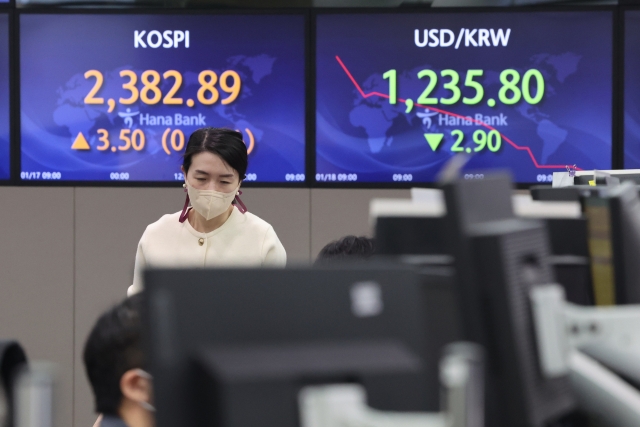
(399, 94)
(5, 151)
(632, 89)
(109, 97)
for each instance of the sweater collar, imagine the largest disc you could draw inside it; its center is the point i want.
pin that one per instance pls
(235, 218)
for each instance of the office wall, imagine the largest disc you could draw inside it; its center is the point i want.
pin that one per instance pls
(67, 254)
(37, 278)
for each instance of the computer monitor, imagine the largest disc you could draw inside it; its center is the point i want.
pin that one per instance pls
(423, 240)
(498, 259)
(234, 347)
(398, 94)
(614, 243)
(124, 91)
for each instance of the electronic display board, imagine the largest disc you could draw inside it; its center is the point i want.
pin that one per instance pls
(109, 97)
(632, 89)
(397, 95)
(5, 150)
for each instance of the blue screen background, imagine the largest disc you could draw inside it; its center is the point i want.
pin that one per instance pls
(377, 141)
(632, 90)
(5, 160)
(56, 50)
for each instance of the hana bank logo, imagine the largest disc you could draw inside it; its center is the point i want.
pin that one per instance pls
(128, 117)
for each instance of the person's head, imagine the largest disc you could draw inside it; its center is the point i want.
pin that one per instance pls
(115, 364)
(348, 247)
(215, 159)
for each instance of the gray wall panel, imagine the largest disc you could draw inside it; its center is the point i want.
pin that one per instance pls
(109, 223)
(36, 284)
(288, 211)
(336, 213)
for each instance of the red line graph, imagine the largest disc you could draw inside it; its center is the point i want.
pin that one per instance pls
(510, 142)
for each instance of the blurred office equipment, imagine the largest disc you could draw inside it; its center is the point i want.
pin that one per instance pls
(572, 338)
(12, 359)
(416, 229)
(236, 347)
(574, 185)
(613, 235)
(614, 243)
(498, 259)
(35, 391)
(545, 355)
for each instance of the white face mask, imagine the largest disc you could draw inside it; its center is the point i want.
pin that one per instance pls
(146, 405)
(210, 203)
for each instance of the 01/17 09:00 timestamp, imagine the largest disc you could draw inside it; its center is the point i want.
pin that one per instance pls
(40, 175)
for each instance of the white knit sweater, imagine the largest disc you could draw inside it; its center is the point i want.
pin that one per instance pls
(243, 240)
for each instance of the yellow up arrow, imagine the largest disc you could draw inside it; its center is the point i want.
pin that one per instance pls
(80, 143)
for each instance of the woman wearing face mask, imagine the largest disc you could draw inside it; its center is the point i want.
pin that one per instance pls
(214, 227)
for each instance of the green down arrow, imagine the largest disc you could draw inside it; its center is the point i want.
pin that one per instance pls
(434, 139)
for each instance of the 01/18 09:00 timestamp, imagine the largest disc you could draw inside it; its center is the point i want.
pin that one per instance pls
(330, 177)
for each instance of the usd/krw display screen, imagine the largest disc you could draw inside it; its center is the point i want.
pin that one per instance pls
(5, 151)
(115, 97)
(400, 94)
(632, 90)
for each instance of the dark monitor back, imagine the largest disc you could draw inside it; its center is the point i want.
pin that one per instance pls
(614, 240)
(568, 238)
(573, 273)
(491, 256)
(488, 199)
(509, 259)
(567, 194)
(411, 236)
(202, 322)
(625, 208)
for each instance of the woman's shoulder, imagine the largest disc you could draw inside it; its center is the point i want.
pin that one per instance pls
(252, 221)
(165, 224)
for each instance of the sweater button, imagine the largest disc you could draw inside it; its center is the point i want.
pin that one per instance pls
(201, 241)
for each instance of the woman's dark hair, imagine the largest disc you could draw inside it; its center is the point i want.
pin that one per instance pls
(226, 143)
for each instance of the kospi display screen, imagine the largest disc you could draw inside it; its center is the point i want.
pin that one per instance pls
(399, 94)
(115, 97)
(5, 151)
(632, 89)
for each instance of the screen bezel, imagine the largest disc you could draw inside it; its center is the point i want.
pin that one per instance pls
(16, 124)
(617, 155)
(622, 21)
(5, 10)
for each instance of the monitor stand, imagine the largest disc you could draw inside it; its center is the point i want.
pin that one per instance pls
(345, 405)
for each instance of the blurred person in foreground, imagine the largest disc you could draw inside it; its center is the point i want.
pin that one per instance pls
(115, 363)
(347, 248)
